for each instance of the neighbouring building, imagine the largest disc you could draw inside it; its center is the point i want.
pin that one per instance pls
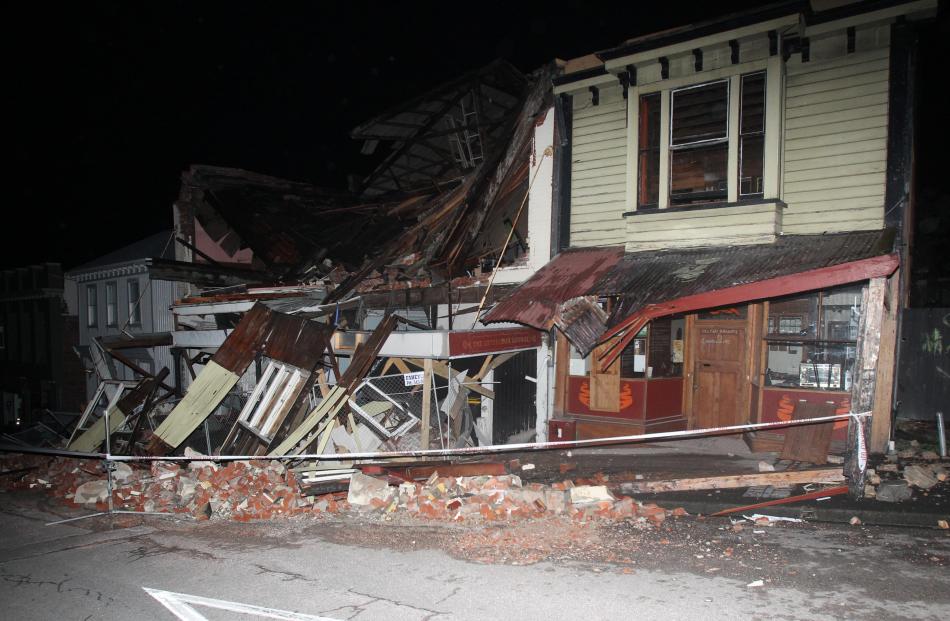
(119, 302)
(37, 333)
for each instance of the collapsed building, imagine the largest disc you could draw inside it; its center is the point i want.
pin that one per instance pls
(702, 228)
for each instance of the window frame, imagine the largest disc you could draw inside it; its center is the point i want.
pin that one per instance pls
(112, 304)
(135, 310)
(773, 69)
(92, 305)
(781, 342)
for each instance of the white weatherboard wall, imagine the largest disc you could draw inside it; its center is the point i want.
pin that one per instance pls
(541, 175)
(743, 224)
(836, 135)
(598, 167)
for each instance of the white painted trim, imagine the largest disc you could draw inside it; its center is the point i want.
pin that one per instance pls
(704, 76)
(732, 133)
(633, 148)
(665, 136)
(617, 65)
(774, 115)
(213, 308)
(199, 339)
(573, 88)
(882, 15)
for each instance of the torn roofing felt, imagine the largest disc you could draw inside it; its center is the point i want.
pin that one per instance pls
(651, 284)
(654, 284)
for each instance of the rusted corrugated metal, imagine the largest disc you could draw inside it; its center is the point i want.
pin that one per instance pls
(642, 278)
(569, 275)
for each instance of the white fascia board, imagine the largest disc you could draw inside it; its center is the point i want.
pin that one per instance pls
(416, 344)
(617, 65)
(583, 85)
(882, 15)
(199, 339)
(509, 275)
(213, 308)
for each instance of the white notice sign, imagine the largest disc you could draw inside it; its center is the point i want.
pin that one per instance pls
(413, 379)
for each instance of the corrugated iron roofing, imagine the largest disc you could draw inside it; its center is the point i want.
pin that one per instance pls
(642, 278)
(569, 275)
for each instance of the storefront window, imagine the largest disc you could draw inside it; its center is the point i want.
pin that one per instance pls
(656, 352)
(812, 339)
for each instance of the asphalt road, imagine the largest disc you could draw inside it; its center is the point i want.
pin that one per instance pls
(345, 568)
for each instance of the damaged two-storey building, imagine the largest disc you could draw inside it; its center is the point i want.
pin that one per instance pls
(733, 210)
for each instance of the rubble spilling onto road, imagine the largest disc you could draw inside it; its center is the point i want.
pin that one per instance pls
(267, 489)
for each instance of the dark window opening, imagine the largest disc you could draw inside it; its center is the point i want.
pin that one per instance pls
(751, 135)
(648, 192)
(656, 352)
(699, 143)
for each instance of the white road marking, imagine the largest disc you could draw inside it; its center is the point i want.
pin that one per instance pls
(180, 605)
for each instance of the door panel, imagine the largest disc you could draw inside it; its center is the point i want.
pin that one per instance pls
(720, 358)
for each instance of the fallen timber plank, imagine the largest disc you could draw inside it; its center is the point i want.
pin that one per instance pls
(330, 406)
(824, 493)
(825, 475)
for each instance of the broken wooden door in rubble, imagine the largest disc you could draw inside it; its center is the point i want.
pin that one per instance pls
(295, 342)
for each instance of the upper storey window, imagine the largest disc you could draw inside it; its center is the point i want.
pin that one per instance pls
(699, 143)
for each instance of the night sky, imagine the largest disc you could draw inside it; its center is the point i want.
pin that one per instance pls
(111, 101)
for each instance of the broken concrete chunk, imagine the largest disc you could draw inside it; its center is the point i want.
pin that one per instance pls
(893, 491)
(92, 491)
(365, 489)
(920, 476)
(583, 494)
(121, 471)
(765, 466)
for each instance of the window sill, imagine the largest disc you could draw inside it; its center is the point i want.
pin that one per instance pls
(650, 210)
(757, 221)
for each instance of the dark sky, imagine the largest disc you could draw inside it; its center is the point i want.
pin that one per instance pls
(111, 101)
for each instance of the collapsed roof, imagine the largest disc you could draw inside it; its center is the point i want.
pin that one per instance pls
(429, 233)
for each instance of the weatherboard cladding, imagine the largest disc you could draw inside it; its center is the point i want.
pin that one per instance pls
(642, 278)
(835, 154)
(569, 275)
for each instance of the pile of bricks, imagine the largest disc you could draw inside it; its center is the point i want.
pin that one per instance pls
(263, 490)
(493, 498)
(238, 490)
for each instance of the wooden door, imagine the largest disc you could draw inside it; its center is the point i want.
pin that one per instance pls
(719, 374)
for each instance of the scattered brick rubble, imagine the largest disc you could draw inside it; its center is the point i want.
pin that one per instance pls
(905, 470)
(262, 490)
